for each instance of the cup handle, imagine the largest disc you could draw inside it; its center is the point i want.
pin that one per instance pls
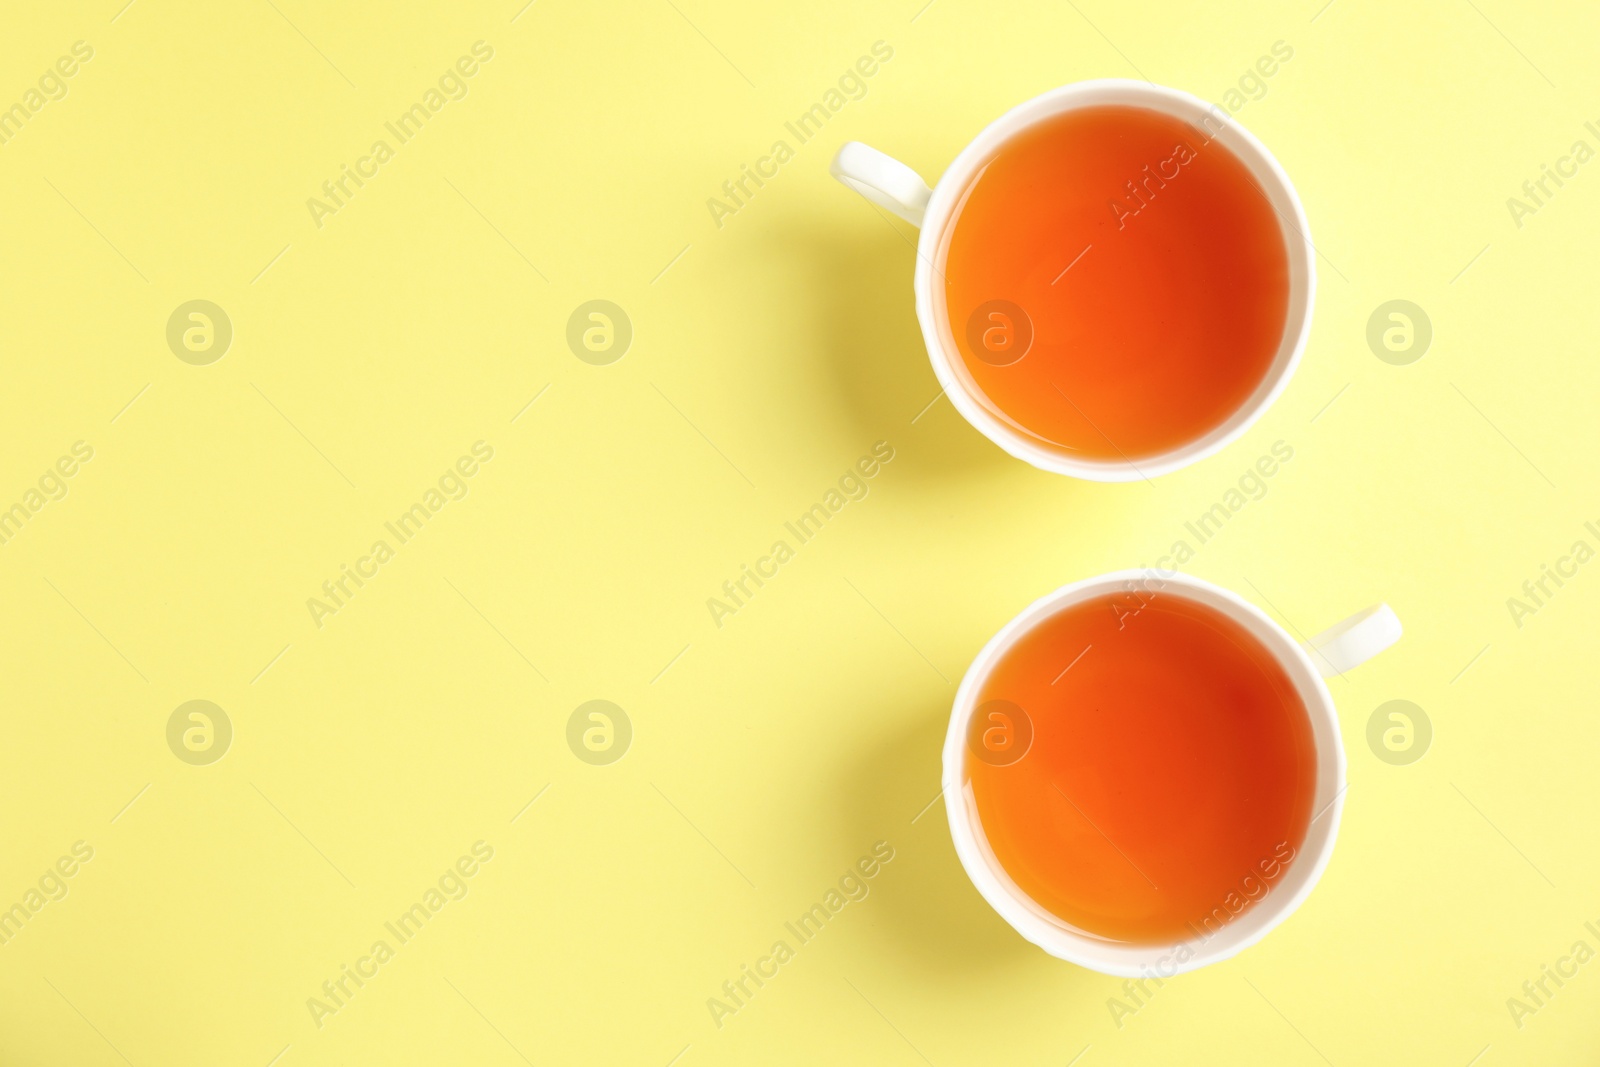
(883, 180)
(1355, 640)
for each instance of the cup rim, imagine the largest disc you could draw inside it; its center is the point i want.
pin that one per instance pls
(1143, 959)
(1261, 163)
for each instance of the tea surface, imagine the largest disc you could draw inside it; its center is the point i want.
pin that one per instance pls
(1166, 772)
(1117, 284)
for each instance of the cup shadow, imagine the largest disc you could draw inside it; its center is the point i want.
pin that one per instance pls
(860, 280)
(934, 924)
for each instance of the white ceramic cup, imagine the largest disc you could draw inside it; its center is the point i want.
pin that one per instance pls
(895, 186)
(1334, 651)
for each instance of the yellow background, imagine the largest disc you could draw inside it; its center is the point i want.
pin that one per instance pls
(773, 752)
